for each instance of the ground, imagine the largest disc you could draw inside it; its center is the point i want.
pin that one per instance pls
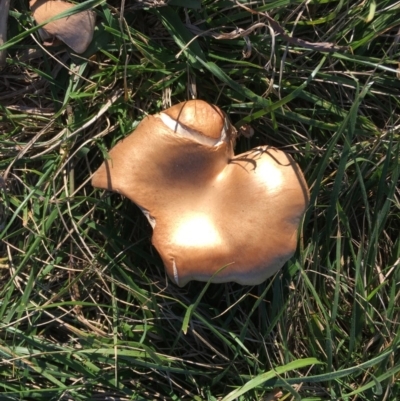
(86, 310)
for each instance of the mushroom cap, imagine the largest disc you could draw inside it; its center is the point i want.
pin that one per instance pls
(76, 31)
(209, 209)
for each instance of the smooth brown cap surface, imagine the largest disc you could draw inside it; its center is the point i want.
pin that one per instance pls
(208, 208)
(246, 219)
(76, 31)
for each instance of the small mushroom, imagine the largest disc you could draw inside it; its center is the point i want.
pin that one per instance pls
(209, 209)
(76, 31)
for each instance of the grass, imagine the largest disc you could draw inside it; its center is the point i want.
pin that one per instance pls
(86, 311)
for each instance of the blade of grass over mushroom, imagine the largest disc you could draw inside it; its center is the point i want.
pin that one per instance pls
(87, 5)
(76, 31)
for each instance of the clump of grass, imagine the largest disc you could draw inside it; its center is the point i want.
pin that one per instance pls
(86, 311)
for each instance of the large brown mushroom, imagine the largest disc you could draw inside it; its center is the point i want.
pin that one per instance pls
(76, 31)
(209, 209)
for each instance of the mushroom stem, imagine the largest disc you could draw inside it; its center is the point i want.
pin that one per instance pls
(4, 7)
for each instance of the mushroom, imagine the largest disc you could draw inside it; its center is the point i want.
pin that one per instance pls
(215, 216)
(76, 31)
